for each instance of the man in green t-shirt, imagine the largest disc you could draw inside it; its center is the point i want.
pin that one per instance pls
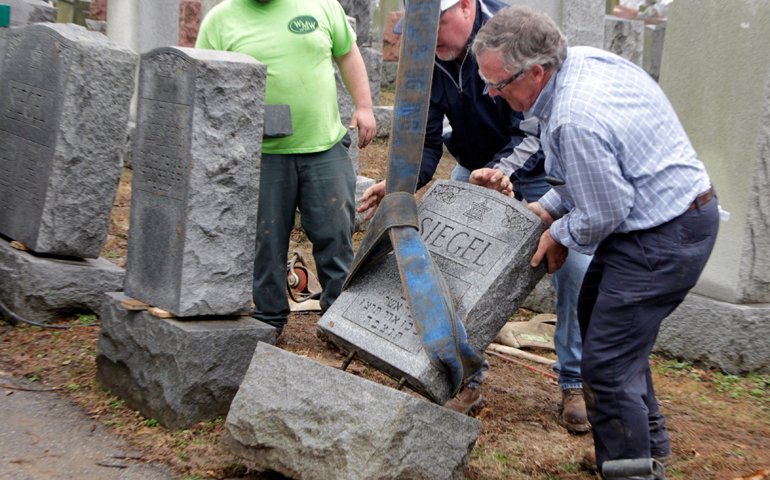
(311, 169)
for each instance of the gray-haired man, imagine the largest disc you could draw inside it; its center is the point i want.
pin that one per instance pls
(634, 195)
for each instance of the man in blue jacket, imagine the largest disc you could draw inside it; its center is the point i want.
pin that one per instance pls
(493, 143)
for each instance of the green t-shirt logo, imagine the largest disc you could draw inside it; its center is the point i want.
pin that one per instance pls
(303, 24)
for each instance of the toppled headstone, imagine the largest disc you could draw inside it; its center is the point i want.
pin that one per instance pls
(482, 242)
(195, 185)
(66, 93)
(177, 372)
(27, 12)
(43, 288)
(625, 38)
(309, 421)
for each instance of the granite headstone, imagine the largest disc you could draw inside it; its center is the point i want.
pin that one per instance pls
(482, 242)
(314, 422)
(65, 95)
(195, 185)
(27, 12)
(625, 38)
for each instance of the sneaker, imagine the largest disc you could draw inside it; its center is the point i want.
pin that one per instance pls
(464, 401)
(589, 460)
(573, 415)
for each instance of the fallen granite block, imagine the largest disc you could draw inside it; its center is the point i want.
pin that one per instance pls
(42, 288)
(362, 183)
(384, 118)
(483, 242)
(177, 371)
(310, 421)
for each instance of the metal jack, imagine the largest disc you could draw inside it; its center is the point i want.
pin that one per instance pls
(633, 469)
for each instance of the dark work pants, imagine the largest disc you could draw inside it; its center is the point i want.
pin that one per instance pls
(635, 280)
(323, 186)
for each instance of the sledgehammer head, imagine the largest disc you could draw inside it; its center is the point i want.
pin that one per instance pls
(636, 468)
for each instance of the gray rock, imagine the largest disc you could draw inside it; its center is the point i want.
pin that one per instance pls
(195, 185)
(654, 35)
(96, 25)
(346, 107)
(389, 74)
(362, 183)
(373, 61)
(717, 334)
(43, 288)
(3, 35)
(543, 297)
(310, 421)
(27, 12)
(362, 11)
(177, 372)
(128, 152)
(582, 21)
(68, 92)
(482, 242)
(384, 118)
(625, 38)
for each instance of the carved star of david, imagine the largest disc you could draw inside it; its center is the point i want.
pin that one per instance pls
(477, 211)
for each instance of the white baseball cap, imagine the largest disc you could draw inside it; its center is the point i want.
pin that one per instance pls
(445, 5)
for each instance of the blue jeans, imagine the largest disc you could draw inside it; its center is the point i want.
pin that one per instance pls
(323, 186)
(567, 282)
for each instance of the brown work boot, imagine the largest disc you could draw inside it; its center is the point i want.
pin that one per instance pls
(589, 460)
(464, 401)
(573, 411)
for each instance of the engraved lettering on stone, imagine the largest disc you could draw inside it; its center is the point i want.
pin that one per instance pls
(163, 167)
(477, 211)
(463, 245)
(445, 193)
(388, 318)
(26, 104)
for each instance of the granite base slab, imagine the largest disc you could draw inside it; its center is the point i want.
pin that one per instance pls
(308, 421)
(42, 288)
(483, 242)
(177, 371)
(713, 333)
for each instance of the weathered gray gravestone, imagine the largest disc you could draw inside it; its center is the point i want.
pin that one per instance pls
(729, 127)
(625, 38)
(313, 422)
(177, 372)
(195, 185)
(582, 21)
(483, 243)
(65, 96)
(654, 36)
(26, 12)
(43, 288)
(362, 11)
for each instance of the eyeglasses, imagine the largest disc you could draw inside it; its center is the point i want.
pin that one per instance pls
(500, 86)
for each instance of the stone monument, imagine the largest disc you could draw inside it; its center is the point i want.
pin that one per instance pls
(582, 21)
(482, 242)
(311, 421)
(625, 38)
(191, 240)
(725, 320)
(65, 94)
(26, 12)
(196, 180)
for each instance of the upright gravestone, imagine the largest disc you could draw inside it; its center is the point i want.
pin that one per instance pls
(729, 127)
(65, 94)
(362, 11)
(194, 195)
(625, 38)
(143, 24)
(26, 12)
(582, 21)
(654, 35)
(483, 243)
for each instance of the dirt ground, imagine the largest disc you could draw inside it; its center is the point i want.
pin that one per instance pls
(719, 424)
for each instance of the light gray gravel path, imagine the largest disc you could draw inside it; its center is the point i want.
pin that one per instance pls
(44, 436)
